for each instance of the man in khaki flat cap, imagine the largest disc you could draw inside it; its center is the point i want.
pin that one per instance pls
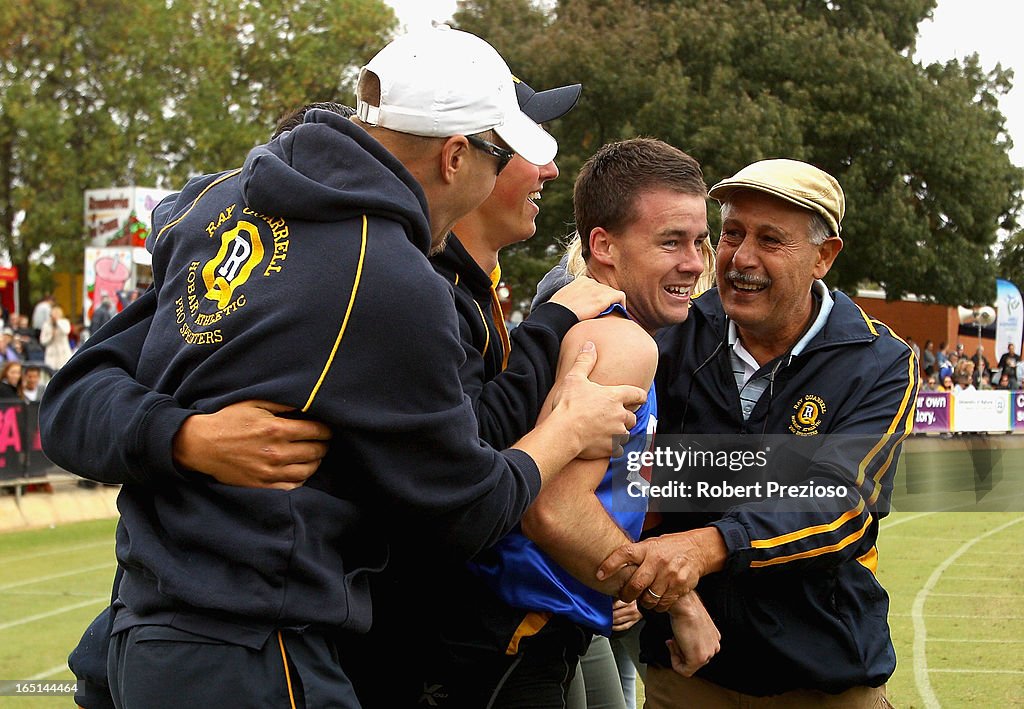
(787, 573)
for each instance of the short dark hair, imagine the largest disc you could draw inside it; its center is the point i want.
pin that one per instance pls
(295, 117)
(610, 181)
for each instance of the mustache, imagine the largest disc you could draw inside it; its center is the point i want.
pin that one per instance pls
(749, 279)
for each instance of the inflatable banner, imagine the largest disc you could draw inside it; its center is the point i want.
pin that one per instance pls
(1009, 318)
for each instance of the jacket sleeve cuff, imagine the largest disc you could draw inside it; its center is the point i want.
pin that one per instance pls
(737, 544)
(527, 467)
(555, 317)
(155, 445)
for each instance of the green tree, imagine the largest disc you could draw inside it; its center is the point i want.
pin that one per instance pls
(921, 151)
(241, 65)
(1011, 259)
(111, 92)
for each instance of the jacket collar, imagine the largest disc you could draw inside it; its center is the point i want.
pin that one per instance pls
(455, 263)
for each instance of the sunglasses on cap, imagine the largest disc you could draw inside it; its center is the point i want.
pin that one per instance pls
(504, 156)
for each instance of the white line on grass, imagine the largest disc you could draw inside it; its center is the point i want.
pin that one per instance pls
(56, 669)
(975, 595)
(51, 577)
(51, 594)
(983, 672)
(983, 564)
(1001, 579)
(1005, 500)
(57, 611)
(959, 615)
(62, 550)
(973, 640)
(924, 685)
(890, 523)
(907, 538)
(6, 687)
(992, 503)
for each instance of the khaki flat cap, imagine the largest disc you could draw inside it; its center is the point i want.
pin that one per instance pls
(792, 180)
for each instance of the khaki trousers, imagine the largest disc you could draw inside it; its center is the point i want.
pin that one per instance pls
(666, 689)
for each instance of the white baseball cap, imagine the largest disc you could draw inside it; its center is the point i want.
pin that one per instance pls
(440, 82)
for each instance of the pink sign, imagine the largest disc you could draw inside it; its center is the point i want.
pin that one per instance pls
(932, 412)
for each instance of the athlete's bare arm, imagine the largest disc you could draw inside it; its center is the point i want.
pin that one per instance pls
(567, 520)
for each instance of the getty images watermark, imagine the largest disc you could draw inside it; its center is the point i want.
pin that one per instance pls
(37, 688)
(711, 473)
(793, 473)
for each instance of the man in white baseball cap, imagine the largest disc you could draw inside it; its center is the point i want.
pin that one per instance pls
(436, 94)
(249, 595)
(441, 82)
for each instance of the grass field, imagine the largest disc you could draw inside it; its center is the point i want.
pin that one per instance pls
(951, 557)
(52, 583)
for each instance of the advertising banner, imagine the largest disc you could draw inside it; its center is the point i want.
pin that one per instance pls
(117, 220)
(932, 412)
(21, 454)
(1009, 318)
(107, 211)
(981, 411)
(107, 272)
(1018, 411)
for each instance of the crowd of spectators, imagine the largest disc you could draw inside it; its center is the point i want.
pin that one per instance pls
(33, 347)
(20, 380)
(954, 371)
(24, 365)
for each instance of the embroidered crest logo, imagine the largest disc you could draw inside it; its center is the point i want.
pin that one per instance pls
(809, 410)
(240, 252)
(432, 695)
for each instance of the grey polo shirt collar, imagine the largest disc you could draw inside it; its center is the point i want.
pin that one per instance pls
(744, 366)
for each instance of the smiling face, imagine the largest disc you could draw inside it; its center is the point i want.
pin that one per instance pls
(766, 266)
(656, 258)
(509, 214)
